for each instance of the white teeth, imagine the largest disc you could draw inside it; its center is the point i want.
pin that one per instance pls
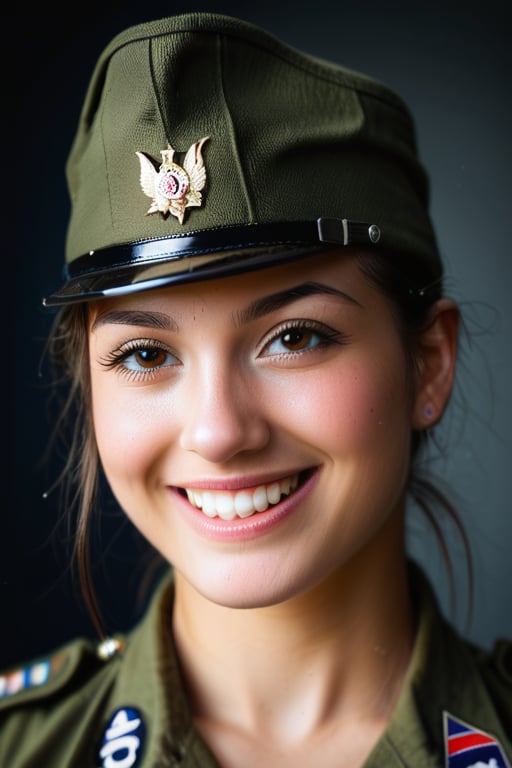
(274, 493)
(225, 506)
(243, 504)
(208, 505)
(260, 499)
(228, 505)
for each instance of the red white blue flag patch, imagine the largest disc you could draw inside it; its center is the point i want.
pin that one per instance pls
(469, 747)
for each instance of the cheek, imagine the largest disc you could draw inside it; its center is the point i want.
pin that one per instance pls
(359, 407)
(127, 429)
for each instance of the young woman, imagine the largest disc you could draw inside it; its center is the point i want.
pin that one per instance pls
(257, 341)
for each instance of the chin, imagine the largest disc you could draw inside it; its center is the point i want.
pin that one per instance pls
(241, 590)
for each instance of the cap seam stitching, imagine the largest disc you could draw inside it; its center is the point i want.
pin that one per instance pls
(288, 54)
(232, 131)
(161, 110)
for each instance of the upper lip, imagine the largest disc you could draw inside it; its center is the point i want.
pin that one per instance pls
(240, 482)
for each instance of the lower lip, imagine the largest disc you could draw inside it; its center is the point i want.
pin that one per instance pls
(245, 529)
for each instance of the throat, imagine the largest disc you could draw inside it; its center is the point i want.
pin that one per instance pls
(338, 743)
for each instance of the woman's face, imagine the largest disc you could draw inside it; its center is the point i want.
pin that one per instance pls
(256, 429)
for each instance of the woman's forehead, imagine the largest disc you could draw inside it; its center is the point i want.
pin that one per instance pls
(337, 270)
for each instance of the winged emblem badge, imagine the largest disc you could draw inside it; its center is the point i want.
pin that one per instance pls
(174, 188)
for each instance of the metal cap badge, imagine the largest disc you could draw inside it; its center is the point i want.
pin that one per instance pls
(174, 188)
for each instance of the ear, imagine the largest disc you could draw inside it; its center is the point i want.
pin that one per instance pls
(436, 361)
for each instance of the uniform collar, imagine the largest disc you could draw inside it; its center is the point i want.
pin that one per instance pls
(443, 677)
(150, 676)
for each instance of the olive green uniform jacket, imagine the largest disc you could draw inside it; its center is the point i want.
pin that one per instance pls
(83, 708)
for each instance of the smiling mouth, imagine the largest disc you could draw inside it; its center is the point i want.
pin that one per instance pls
(228, 505)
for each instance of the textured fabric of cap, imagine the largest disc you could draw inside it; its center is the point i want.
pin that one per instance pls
(276, 140)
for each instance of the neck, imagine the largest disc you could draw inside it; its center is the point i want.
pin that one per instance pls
(338, 651)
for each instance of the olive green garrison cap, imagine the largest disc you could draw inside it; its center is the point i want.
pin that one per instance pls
(207, 147)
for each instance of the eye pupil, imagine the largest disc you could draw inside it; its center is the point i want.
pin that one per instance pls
(149, 355)
(294, 338)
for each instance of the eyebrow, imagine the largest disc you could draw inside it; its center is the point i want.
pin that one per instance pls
(136, 317)
(275, 301)
(253, 311)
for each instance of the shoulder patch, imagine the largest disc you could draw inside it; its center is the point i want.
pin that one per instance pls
(469, 747)
(123, 740)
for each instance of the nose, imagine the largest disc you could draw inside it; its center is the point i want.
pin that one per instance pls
(222, 415)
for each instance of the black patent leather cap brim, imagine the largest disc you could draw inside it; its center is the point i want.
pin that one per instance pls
(152, 264)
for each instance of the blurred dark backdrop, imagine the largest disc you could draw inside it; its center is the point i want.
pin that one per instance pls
(451, 62)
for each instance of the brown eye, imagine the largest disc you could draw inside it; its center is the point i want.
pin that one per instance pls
(297, 338)
(142, 357)
(150, 358)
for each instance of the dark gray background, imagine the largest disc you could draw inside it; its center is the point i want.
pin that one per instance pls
(451, 62)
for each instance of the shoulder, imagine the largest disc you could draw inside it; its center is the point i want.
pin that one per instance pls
(120, 701)
(59, 672)
(56, 690)
(80, 664)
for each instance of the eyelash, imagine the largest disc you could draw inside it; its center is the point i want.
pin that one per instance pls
(326, 337)
(118, 358)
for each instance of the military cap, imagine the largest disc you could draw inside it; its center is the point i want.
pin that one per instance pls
(207, 147)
